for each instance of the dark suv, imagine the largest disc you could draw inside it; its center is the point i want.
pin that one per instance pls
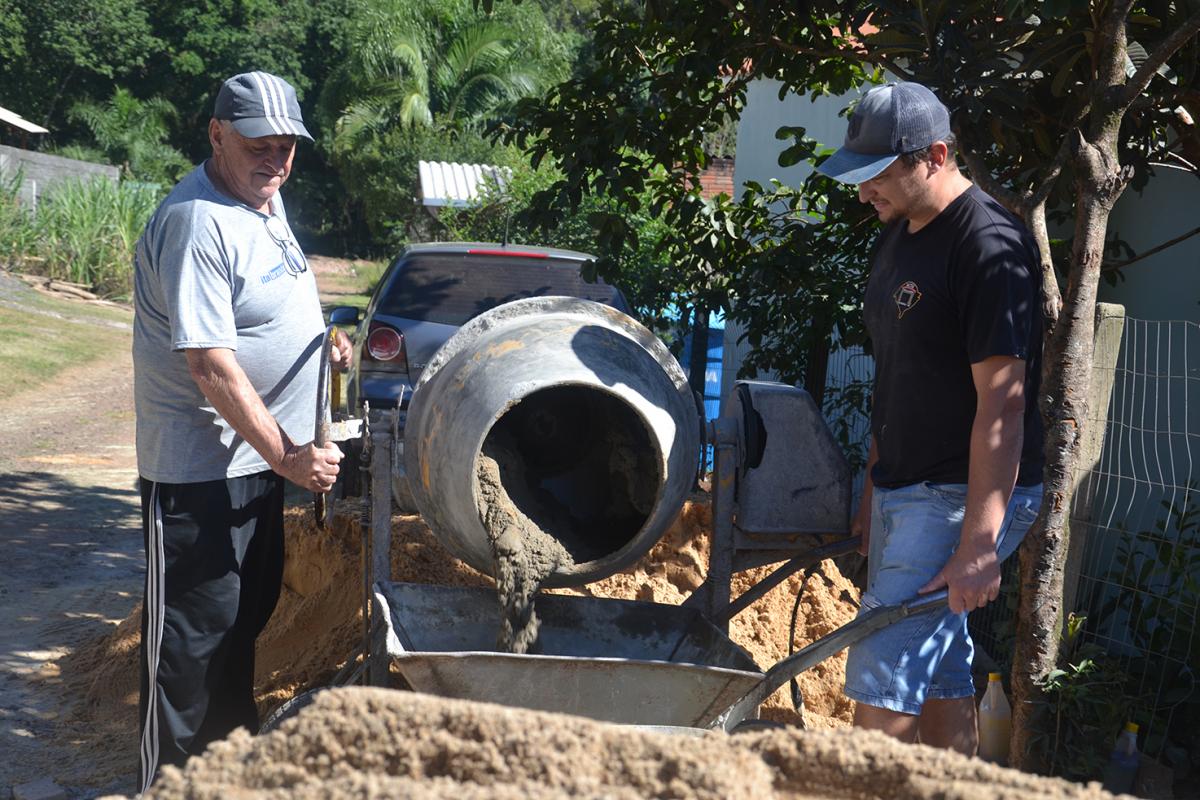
(432, 289)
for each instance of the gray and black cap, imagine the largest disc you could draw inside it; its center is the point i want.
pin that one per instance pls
(260, 104)
(889, 121)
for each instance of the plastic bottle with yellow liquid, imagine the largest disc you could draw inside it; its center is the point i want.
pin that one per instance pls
(995, 722)
(1122, 768)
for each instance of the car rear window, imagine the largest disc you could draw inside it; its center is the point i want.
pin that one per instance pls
(451, 288)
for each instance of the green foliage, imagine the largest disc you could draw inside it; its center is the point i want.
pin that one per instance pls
(87, 231)
(208, 41)
(1159, 617)
(796, 267)
(64, 49)
(1094, 692)
(844, 408)
(84, 232)
(211, 40)
(638, 269)
(1018, 79)
(17, 234)
(1086, 705)
(667, 75)
(641, 125)
(421, 81)
(132, 133)
(12, 32)
(402, 73)
(381, 177)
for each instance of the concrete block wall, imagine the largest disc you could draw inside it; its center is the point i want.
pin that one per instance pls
(41, 171)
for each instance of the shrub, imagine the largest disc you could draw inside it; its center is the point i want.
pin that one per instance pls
(83, 231)
(1087, 705)
(17, 235)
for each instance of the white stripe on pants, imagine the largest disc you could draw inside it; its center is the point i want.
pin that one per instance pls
(155, 609)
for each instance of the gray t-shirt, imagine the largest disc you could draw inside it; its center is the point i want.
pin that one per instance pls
(208, 274)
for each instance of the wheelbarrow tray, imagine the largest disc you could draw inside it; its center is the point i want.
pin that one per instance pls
(620, 661)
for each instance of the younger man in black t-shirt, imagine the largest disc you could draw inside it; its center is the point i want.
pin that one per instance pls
(954, 473)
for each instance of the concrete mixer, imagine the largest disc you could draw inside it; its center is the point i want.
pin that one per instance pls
(606, 445)
(604, 424)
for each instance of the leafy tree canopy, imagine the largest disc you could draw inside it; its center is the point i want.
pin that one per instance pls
(56, 49)
(420, 83)
(133, 134)
(207, 41)
(1015, 74)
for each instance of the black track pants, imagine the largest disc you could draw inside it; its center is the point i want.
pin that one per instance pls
(214, 562)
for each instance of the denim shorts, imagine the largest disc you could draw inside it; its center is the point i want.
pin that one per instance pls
(914, 531)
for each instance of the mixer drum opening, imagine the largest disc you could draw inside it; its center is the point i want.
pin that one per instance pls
(580, 463)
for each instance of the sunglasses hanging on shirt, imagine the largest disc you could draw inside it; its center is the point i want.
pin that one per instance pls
(293, 256)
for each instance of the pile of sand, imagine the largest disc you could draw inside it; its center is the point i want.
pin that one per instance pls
(360, 742)
(317, 625)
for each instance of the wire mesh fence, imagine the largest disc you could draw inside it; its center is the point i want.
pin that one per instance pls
(1136, 518)
(845, 407)
(1138, 515)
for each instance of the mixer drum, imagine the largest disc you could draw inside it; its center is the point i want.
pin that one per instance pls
(596, 413)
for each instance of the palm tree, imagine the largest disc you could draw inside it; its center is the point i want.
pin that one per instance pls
(401, 75)
(132, 133)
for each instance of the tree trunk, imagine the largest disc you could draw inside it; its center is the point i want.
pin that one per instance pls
(1066, 374)
(816, 361)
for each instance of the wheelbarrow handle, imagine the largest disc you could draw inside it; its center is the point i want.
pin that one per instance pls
(857, 629)
(321, 432)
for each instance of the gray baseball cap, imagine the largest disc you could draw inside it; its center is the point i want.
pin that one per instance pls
(887, 122)
(260, 104)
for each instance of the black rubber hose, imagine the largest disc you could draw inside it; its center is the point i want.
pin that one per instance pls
(797, 697)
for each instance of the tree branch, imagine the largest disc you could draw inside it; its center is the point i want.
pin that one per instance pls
(1035, 219)
(900, 73)
(981, 175)
(1047, 179)
(1112, 26)
(1186, 166)
(1151, 251)
(1166, 48)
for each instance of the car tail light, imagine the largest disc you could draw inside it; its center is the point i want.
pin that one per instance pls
(385, 344)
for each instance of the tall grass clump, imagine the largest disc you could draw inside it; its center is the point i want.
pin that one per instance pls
(84, 232)
(17, 234)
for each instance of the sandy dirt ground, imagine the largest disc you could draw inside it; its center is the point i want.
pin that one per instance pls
(72, 560)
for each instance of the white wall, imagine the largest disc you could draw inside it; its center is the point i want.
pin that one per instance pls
(1165, 285)
(757, 148)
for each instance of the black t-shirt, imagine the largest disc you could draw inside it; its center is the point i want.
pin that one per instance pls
(961, 289)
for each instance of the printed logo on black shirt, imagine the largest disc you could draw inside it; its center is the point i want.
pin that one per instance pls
(906, 296)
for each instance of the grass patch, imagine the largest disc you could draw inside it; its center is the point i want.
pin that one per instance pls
(349, 286)
(84, 231)
(47, 336)
(42, 304)
(41, 336)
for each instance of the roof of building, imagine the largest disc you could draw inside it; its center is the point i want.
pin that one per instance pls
(17, 121)
(457, 185)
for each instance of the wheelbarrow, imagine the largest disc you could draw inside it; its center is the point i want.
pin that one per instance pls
(622, 661)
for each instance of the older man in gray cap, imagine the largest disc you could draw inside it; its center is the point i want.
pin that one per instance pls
(227, 334)
(955, 463)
